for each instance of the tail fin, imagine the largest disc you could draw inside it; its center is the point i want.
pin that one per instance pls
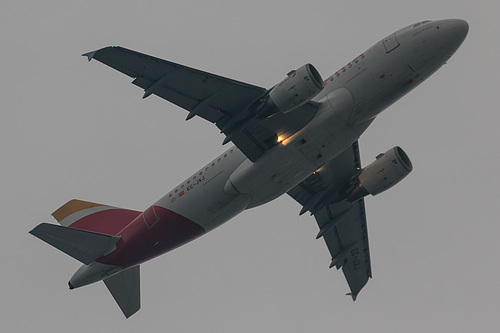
(89, 231)
(125, 289)
(85, 246)
(94, 217)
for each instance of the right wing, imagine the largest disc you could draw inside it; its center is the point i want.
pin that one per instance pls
(229, 104)
(342, 224)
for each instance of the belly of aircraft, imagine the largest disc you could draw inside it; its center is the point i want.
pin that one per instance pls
(297, 157)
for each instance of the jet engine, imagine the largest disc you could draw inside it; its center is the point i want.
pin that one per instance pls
(386, 171)
(298, 88)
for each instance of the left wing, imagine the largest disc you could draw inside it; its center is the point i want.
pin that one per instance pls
(342, 224)
(229, 104)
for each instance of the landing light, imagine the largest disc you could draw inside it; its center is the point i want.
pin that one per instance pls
(280, 138)
(315, 172)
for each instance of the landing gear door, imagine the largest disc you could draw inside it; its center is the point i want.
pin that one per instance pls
(390, 43)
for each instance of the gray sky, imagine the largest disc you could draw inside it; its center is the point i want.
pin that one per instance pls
(71, 129)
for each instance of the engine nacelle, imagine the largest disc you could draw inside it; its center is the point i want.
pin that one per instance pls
(386, 171)
(298, 88)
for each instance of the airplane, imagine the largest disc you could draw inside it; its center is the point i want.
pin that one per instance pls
(299, 137)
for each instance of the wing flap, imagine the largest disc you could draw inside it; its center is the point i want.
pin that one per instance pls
(207, 106)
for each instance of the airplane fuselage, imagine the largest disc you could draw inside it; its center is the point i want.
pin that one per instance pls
(351, 99)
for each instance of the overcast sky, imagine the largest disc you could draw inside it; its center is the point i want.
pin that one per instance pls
(72, 129)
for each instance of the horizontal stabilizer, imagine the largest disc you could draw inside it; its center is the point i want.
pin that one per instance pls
(126, 290)
(85, 246)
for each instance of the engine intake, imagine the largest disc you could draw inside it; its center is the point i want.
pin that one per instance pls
(298, 88)
(386, 171)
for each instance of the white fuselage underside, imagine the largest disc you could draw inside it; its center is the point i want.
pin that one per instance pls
(349, 102)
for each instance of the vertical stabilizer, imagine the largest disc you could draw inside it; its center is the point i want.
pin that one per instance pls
(79, 214)
(126, 290)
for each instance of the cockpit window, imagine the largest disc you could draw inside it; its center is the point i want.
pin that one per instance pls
(420, 23)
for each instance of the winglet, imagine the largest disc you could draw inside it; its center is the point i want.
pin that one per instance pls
(89, 55)
(353, 296)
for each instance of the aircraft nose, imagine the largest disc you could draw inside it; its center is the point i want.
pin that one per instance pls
(455, 31)
(449, 35)
(435, 42)
(460, 29)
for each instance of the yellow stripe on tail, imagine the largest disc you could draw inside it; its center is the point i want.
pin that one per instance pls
(72, 207)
